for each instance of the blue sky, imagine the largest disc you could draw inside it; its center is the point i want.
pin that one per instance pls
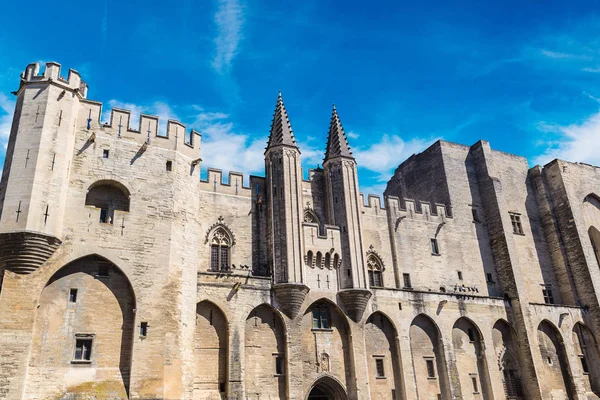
(525, 76)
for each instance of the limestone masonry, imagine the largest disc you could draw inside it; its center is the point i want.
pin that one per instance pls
(123, 274)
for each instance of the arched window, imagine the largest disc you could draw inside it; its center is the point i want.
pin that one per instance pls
(309, 258)
(108, 196)
(375, 269)
(310, 216)
(319, 259)
(220, 246)
(336, 260)
(595, 239)
(328, 260)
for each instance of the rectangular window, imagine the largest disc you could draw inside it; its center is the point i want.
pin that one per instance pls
(83, 349)
(489, 278)
(222, 387)
(459, 275)
(278, 365)
(73, 296)
(104, 215)
(434, 247)
(406, 278)
(144, 329)
(224, 258)
(105, 153)
(379, 367)
(475, 385)
(169, 166)
(430, 368)
(548, 298)
(214, 258)
(377, 279)
(320, 319)
(515, 220)
(475, 215)
(371, 279)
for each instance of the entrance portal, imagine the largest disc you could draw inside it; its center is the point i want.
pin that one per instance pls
(327, 388)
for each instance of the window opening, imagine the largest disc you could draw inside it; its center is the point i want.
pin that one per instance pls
(105, 153)
(475, 215)
(104, 215)
(407, 283)
(144, 329)
(278, 365)
(430, 368)
(220, 251)
(73, 296)
(460, 276)
(547, 293)
(375, 268)
(379, 367)
(83, 349)
(475, 385)
(515, 220)
(169, 166)
(434, 247)
(321, 318)
(489, 277)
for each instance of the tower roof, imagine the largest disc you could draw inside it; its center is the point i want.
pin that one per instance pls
(337, 144)
(281, 129)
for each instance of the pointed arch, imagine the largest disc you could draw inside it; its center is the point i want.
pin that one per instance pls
(507, 361)
(471, 363)
(319, 260)
(265, 358)
(221, 241)
(327, 387)
(211, 355)
(310, 259)
(593, 199)
(586, 349)
(383, 358)
(310, 216)
(555, 364)
(375, 268)
(328, 260)
(326, 342)
(429, 361)
(86, 309)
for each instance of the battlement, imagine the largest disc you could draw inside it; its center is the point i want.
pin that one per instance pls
(147, 132)
(52, 74)
(234, 185)
(408, 207)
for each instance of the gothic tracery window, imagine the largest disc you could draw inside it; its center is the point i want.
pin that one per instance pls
(375, 269)
(220, 250)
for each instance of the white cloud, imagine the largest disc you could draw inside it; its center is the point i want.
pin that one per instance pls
(561, 55)
(229, 19)
(7, 108)
(577, 142)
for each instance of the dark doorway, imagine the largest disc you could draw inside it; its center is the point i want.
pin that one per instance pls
(319, 394)
(327, 388)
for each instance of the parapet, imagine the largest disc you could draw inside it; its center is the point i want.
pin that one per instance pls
(234, 185)
(147, 132)
(415, 208)
(52, 74)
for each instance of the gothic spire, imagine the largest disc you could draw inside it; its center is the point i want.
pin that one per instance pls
(337, 144)
(281, 129)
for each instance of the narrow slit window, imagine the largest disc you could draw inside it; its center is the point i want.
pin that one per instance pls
(169, 166)
(73, 296)
(475, 215)
(406, 279)
(460, 275)
(490, 279)
(475, 384)
(144, 329)
(430, 368)
(278, 365)
(435, 249)
(584, 365)
(380, 368)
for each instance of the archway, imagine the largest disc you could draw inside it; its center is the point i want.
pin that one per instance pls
(383, 358)
(555, 367)
(586, 350)
(595, 239)
(507, 360)
(327, 388)
(428, 358)
(210, 352)
(326, 343)
(83, 333)
(471, 364)
(265, 359)
(109, 196)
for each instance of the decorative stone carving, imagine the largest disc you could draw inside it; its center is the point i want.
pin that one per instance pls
(220, 230)
(324, 362)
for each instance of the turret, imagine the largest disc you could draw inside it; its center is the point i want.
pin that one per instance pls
(36, 168)
(345, 212)
(284, 197)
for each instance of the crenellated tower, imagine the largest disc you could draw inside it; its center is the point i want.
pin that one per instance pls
(284, 197)
(35, 178)
(345, 211)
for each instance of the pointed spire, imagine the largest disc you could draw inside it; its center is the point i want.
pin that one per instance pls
(281, 129)
(337, 144)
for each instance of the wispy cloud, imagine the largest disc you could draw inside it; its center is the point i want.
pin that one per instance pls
(561, 55)
(229, 19)
(7, 108)
(577, 142)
